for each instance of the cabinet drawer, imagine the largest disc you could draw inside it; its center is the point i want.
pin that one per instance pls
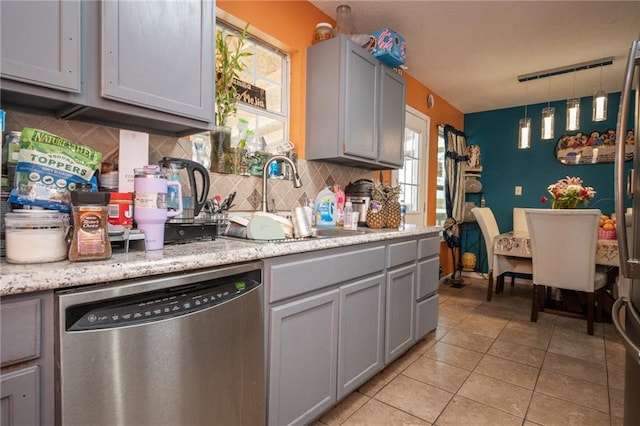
(428, 277)
(426, 316)
(20, 325)
(428, 247)
(299, 277)
(400, 253)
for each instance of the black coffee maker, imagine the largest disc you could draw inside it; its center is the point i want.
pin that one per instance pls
(359, 193)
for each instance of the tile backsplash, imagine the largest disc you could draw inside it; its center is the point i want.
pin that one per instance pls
(315, 175)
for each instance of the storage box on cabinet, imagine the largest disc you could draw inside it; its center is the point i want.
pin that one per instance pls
(27, 377)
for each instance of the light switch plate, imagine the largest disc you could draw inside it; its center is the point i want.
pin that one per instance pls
(518, 190)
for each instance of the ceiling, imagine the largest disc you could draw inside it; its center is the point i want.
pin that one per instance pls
(471, 52)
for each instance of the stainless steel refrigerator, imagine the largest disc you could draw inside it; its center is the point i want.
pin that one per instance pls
(626, 310)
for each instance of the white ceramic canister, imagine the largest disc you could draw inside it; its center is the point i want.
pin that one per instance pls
(36, 236)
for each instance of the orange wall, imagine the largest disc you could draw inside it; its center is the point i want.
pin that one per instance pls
(289, 25)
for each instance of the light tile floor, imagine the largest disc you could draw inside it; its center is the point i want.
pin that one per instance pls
(487, 364)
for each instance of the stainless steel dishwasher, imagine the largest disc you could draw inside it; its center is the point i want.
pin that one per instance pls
(184, 349)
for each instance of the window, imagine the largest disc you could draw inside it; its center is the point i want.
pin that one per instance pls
(267, 68)
(409, 175)
(412, 178)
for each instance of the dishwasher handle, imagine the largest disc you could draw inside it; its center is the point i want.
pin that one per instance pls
(632, 348)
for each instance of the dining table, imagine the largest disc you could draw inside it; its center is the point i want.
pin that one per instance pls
(518, 244)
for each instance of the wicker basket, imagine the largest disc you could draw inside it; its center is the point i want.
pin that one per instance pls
(606, 235)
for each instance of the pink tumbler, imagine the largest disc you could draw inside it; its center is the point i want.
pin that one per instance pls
(150, 204)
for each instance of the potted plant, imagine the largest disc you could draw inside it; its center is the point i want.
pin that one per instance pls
(229, 64)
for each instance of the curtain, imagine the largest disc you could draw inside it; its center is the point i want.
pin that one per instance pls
(455, 163)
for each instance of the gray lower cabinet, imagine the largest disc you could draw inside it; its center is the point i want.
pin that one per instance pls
(428, 268)
(325, 332)
(98, 61)
(355, 107)
(400, 311)
(401, 284)
(361, 337)
(303, 358)
(27, 375)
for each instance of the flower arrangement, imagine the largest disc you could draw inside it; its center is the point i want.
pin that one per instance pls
(569, 193)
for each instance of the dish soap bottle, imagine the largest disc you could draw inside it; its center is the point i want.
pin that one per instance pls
(325, 208)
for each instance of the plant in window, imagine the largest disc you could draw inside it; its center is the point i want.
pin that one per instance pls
(229, 64)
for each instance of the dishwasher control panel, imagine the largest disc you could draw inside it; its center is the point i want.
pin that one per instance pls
(158, 305)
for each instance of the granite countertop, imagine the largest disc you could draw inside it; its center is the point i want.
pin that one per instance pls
(16, 279)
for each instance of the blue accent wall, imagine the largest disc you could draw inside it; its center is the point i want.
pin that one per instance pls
(534, 169)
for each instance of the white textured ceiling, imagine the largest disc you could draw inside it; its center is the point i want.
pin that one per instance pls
(471, 52)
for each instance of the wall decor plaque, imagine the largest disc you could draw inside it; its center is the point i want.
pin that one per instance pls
(592, 148)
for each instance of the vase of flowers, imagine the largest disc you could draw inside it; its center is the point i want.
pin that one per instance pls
(569, 193)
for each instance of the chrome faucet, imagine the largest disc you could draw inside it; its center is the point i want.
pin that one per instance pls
(297, 183)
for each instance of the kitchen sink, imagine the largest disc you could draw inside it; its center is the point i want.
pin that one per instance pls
(336, 232)
(317, 233)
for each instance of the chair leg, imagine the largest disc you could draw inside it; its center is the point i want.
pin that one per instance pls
(500, 284)
(590, 304)
(513, 279)
(600, 304)
(534, 303)
(490, 286)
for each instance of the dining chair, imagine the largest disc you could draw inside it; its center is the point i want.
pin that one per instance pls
(519, 221)
(563, 249)
(498, 264)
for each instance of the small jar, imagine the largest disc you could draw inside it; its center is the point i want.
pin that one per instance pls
(35, 236)
(13, 146)
(90, 240)
(343, 19)
(324, 31)
(121, 209)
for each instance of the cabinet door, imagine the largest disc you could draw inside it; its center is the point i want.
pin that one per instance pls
(41, 43)
(400, 311)
(159, 55)
(303, 348)
(20, 404)
(428, 271)
(391, 116)
(361, 94)
(361, 342)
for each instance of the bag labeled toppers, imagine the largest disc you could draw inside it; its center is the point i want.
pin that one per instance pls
(49, 167)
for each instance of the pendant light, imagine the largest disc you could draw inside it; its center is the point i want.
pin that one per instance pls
(599, 103)
(548, 118)
(573, 110)
(524, 127)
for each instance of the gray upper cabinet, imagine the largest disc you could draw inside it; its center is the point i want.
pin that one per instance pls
(146, 66)
(355, 107)
(41, 43)
(155, 56)
(391, 117)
